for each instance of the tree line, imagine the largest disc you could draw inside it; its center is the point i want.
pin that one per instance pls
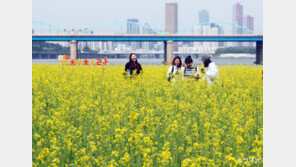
(42, 46)
(237, 49)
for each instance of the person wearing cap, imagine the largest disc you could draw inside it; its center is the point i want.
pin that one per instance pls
(211, 74)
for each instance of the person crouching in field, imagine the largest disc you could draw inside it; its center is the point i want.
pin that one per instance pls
(190, 70)
(133, 68)
(211, 72)
(176, 70)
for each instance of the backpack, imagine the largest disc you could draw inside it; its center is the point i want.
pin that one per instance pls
(169, 79)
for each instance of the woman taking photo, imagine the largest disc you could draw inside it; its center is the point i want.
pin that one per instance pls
(133, 67)
(211, 74)
(176, 70)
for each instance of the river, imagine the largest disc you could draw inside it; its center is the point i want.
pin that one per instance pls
(218, 61)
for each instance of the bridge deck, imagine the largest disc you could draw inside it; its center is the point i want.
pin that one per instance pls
(190, 38)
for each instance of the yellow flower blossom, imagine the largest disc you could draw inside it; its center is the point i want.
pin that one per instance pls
(82, 116)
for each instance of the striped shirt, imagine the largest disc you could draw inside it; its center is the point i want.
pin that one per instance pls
(190, 72)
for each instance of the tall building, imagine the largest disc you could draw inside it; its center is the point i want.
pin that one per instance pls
(133, 29)
(147, 45)
(238, 20)
(196, 31)
(104, 46)
(220, 32)
(249, 24)
(214, 30)
(171, 20)
(203, 16)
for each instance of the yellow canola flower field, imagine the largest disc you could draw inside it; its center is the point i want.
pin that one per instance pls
(87, 116)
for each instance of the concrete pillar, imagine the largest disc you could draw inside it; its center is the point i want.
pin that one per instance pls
(259, 52)
(168, 51)
(165, 51)
(73, 50)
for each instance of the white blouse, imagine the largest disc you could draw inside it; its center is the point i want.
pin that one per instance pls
(212, 73)
(181, 69)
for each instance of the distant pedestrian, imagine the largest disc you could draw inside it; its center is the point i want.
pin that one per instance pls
(176, 70)
(133, 68)
(211, 72)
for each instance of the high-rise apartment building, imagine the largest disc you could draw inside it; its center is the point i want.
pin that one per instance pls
(249, 24)
(203, 16)
(238, 20)
(147, 45)
(171, 20)
(133, 28)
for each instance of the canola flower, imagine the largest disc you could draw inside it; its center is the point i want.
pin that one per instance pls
(89, 116)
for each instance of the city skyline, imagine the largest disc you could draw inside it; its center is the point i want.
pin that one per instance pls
(155, 22)
(171, 27)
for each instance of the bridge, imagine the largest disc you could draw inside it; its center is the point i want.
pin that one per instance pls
(123, 31)
(167, 39)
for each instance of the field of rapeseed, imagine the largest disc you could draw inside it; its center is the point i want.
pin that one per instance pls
(87, 116)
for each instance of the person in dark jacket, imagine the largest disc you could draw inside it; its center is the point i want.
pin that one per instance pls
(133, 65)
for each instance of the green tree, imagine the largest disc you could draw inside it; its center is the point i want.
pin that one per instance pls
(238, 49)
(42, 46)
(87, 49)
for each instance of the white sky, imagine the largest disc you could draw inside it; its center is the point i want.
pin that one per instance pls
(87, 13)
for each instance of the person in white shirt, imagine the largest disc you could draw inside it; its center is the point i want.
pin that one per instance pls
(176, 70)
(211, 74)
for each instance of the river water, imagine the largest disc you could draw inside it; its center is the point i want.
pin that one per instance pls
(218, 61)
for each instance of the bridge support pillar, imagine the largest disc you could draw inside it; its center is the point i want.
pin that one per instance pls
(259, 52)
(168, 51)
(73, 50)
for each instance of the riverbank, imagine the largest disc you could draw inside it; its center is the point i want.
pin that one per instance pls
(243, 55)
(217, 60)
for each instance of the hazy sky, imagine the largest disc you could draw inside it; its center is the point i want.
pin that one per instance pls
(87, 13)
